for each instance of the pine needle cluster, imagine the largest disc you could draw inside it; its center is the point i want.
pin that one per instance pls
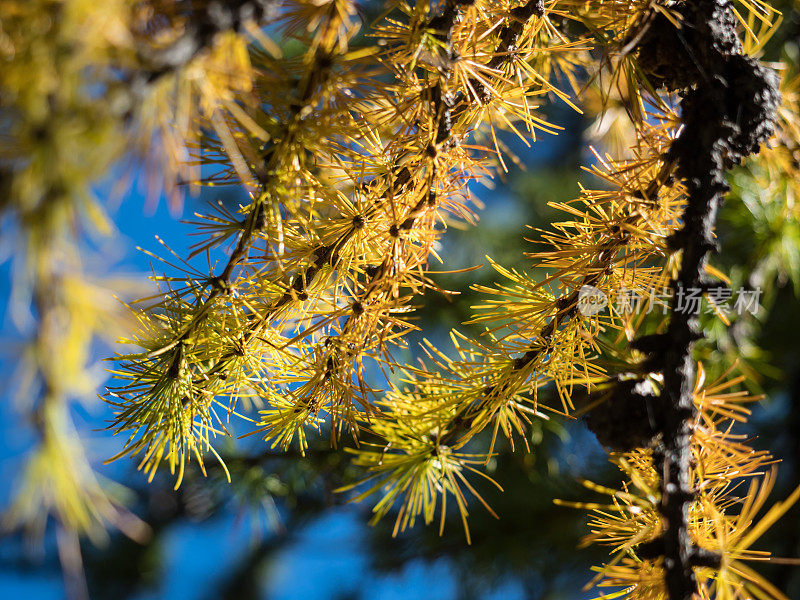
(357, 145)
(357, 157)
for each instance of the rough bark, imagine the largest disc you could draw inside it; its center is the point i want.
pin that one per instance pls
(728, 104)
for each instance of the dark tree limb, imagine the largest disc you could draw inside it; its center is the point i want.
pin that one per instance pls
(204, 20)
(728, 108)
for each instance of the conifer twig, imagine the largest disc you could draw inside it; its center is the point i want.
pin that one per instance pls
(204, 20)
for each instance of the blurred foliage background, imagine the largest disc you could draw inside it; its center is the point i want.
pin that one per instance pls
(279, 530)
